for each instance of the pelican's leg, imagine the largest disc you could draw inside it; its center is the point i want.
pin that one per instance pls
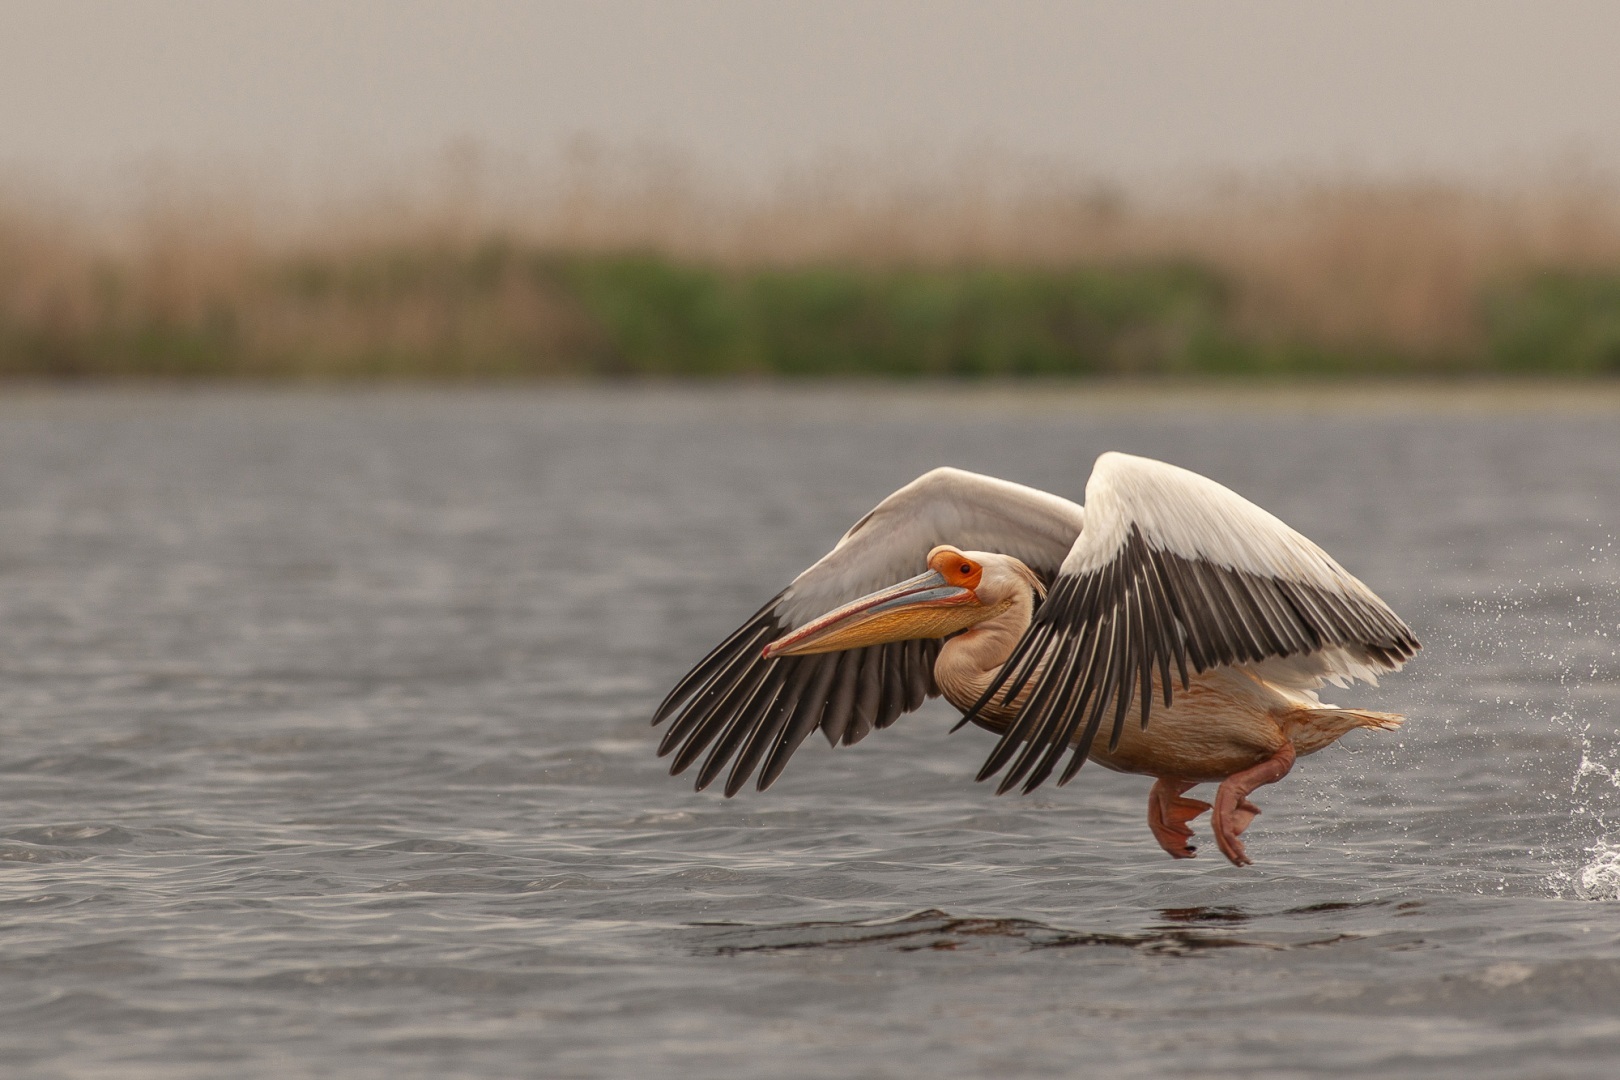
(1168, 814)
(1234, 811)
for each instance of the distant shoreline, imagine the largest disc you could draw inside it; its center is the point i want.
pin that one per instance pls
(878, 396)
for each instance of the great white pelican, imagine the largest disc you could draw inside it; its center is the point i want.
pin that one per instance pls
(1169, 628)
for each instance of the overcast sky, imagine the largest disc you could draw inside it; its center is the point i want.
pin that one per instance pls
(749, 87)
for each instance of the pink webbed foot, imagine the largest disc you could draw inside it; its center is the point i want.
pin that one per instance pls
(1168, 814)
(1234, 811)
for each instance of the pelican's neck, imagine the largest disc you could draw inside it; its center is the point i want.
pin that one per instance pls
(969, 662)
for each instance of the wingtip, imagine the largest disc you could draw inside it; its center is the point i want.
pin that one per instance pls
(667, 745)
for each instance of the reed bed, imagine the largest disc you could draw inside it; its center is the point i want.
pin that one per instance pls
(595, 276)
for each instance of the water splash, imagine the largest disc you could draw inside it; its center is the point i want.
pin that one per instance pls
(1544, 651)
(1591, 764)
(1594, 786)
(1599, 879)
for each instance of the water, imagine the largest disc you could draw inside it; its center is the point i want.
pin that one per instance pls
(324, 750)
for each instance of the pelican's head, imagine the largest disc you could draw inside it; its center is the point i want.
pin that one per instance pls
(958, 590)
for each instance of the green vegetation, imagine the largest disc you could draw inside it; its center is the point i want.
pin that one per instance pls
(662, 318)
(1556, 322)
(500, 310)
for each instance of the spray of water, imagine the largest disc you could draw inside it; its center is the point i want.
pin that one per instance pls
(1532, 672)
(1588, 867)
(1597, 877)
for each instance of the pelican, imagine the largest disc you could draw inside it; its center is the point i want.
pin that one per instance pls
(1166, 599)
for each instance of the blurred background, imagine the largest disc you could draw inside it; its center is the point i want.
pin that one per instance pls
(311, 189)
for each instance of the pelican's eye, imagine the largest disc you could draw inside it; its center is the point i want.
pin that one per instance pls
(963, 573)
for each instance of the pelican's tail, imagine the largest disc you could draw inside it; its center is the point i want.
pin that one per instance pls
(1311, 729)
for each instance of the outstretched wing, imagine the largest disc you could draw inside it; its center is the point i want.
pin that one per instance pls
(1174, 569)
(735, 703)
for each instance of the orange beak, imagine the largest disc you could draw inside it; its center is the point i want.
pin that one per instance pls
(925, 606)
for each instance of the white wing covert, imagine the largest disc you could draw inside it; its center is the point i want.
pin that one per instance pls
(1173, 568)
(736, 703)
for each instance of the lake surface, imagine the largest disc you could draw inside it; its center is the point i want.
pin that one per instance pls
(324, 751)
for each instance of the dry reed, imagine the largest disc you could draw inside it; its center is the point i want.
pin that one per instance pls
(204, 286)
